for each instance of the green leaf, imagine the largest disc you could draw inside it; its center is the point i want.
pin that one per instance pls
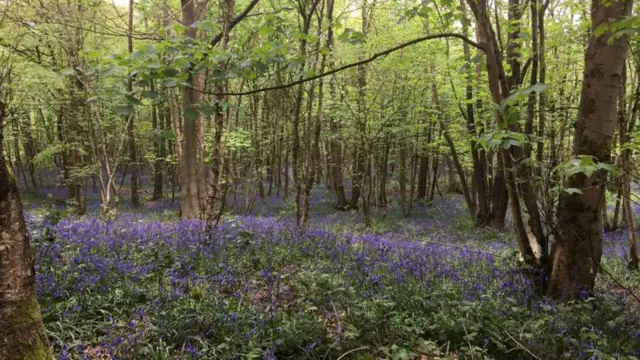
(125, 110)
(150, 94)
(132, 100)
(67, 72)
(191, 114)
(572, 191)
(266, 30)
(352, 36)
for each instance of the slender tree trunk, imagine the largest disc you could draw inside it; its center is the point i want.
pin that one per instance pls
(296, 149)
(29, 147)
(19, 164)
(157, 122)
(543, 77)
(61, 137)
(403, 176)
(461, 175)
(423, 174)
(133, 157)
(22, 333)
(500, 200)
(315, 127)
(624, 179)
(360, 168)
(483, 211)
(577, 250)
(334, 124)
(217, 195)
(499, 88)
(192, 157)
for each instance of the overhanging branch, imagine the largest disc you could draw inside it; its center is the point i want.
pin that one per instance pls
(358, 63)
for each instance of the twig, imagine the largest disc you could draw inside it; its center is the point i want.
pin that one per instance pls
(353, 350)
(521, 346)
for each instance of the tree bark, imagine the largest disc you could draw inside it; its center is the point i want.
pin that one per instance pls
(499, 88)
(217, 194)
(483, 211)
(133, 157)
(625, 155)
(192, 157)
(577, 251)
(22, 333)
(157, 122)
(335, 163)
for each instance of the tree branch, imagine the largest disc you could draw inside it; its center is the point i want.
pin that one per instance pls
(235, 21)
(358, 63)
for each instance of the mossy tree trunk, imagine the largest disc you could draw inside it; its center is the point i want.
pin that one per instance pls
(577, 251)
(22, 334)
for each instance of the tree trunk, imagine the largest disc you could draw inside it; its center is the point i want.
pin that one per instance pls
(296, 149)
(458, 167)
(157, 122)
(360, 169)
(335, 163)
(314, 126)
(499, 87)
(131, 138)
(217, 194)
(483, 212)
(577, 251)
(423, 174)
(500, 197)
(403, 176)
(624, 179)
(29, 147)
(22, 333)
(192, 157)
(16, 150)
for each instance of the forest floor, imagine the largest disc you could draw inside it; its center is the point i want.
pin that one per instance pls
(425, 286)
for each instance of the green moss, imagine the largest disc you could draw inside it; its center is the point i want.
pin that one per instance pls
(26, 326)
(38, 351)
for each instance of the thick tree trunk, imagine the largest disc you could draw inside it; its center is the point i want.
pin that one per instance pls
(22, 333)
(577, 251)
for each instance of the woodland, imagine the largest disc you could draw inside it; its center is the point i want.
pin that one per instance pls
(319, 179)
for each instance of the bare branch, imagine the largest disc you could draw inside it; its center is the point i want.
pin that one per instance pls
(235, 21)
